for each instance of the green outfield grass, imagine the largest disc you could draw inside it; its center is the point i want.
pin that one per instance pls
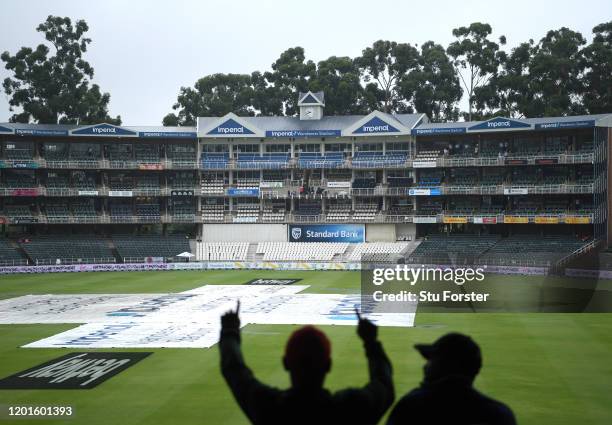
(550, 368)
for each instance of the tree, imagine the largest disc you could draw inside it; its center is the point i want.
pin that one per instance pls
(55, 88)
(555, 75)
(339, 78)
(433, 87)
(212, 96)
(508, 92)
(598, 76)
(290, 75)
(475, 54)
(383, 66)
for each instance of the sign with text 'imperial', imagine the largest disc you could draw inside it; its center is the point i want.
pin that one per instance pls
(303, 133)
(103, 130)
(352, 233)
(376, 125)
(499, 123)
(73, 371)
(230, 128)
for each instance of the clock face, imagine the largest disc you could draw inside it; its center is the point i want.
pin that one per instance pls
(309, 112)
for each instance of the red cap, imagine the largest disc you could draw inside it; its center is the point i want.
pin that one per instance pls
(308, 348)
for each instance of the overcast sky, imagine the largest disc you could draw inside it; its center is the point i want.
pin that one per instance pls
(144, 51)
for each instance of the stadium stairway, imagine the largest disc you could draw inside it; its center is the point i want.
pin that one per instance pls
(252, 252)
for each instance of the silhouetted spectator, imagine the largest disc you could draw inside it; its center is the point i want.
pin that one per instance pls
(446, 395)
(307, 359)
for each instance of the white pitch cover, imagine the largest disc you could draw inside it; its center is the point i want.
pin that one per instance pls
(190, 319)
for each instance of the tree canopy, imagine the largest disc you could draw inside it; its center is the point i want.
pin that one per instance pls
(51, 84)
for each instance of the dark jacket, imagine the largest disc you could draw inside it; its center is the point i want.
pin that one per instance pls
(451, 400)
(263, 404)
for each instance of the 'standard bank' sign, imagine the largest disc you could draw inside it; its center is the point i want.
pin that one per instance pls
(73, 371)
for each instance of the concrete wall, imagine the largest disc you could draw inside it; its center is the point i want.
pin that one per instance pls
(244, 232)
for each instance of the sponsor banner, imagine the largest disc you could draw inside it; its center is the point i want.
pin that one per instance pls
(303, 133)
(515, 220)
(566, 124)
(120, 193)
(374, 126)
(73, 371)
(424, 164)
(499, 123)
(87, 193)
(24, 192)
(24, 220)
(450, 220)
(352, 233)
(230, 128)
(213, 265)
(18, 164)
(243, 192)
(424, 220)
(546, 220)
(168, 134)
(434, 131)
(270, 185)
(515, 161)
(262, 281)
(516, 191)
(547, 161)
(150, 167)
(577, 220)
(338, 185)
(181, 193)
(485, 220)
(38, 132)
(597, 274)
(425, 192)
(103, 130)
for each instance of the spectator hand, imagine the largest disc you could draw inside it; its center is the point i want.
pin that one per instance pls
(366, 330)
(231, 319)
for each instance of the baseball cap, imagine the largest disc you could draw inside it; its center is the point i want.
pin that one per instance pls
(456, 349)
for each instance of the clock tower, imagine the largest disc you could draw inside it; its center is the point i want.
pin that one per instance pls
(311, 105)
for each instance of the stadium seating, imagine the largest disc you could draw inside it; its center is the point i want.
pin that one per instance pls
(137, 248)
(57, 213)
(364, 183)
(256, 161)
(121, 212)
(378, 159)
(273, 214)
(377, 251)
(212, 186)
(222, 251)
(214, 160)
(212, 212)
(246, 213)
(9, 256)
(365, 212)
(427, 155)
(180, 153)
(148, 212)
(431, 178)
(148, 154)
(308, 210)
(399, 181)
(83, 210)
(461, 248)
(68, 249)
(534, 250)
(297, 251)
(18, 212)
(338, 212)
(317, 160)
